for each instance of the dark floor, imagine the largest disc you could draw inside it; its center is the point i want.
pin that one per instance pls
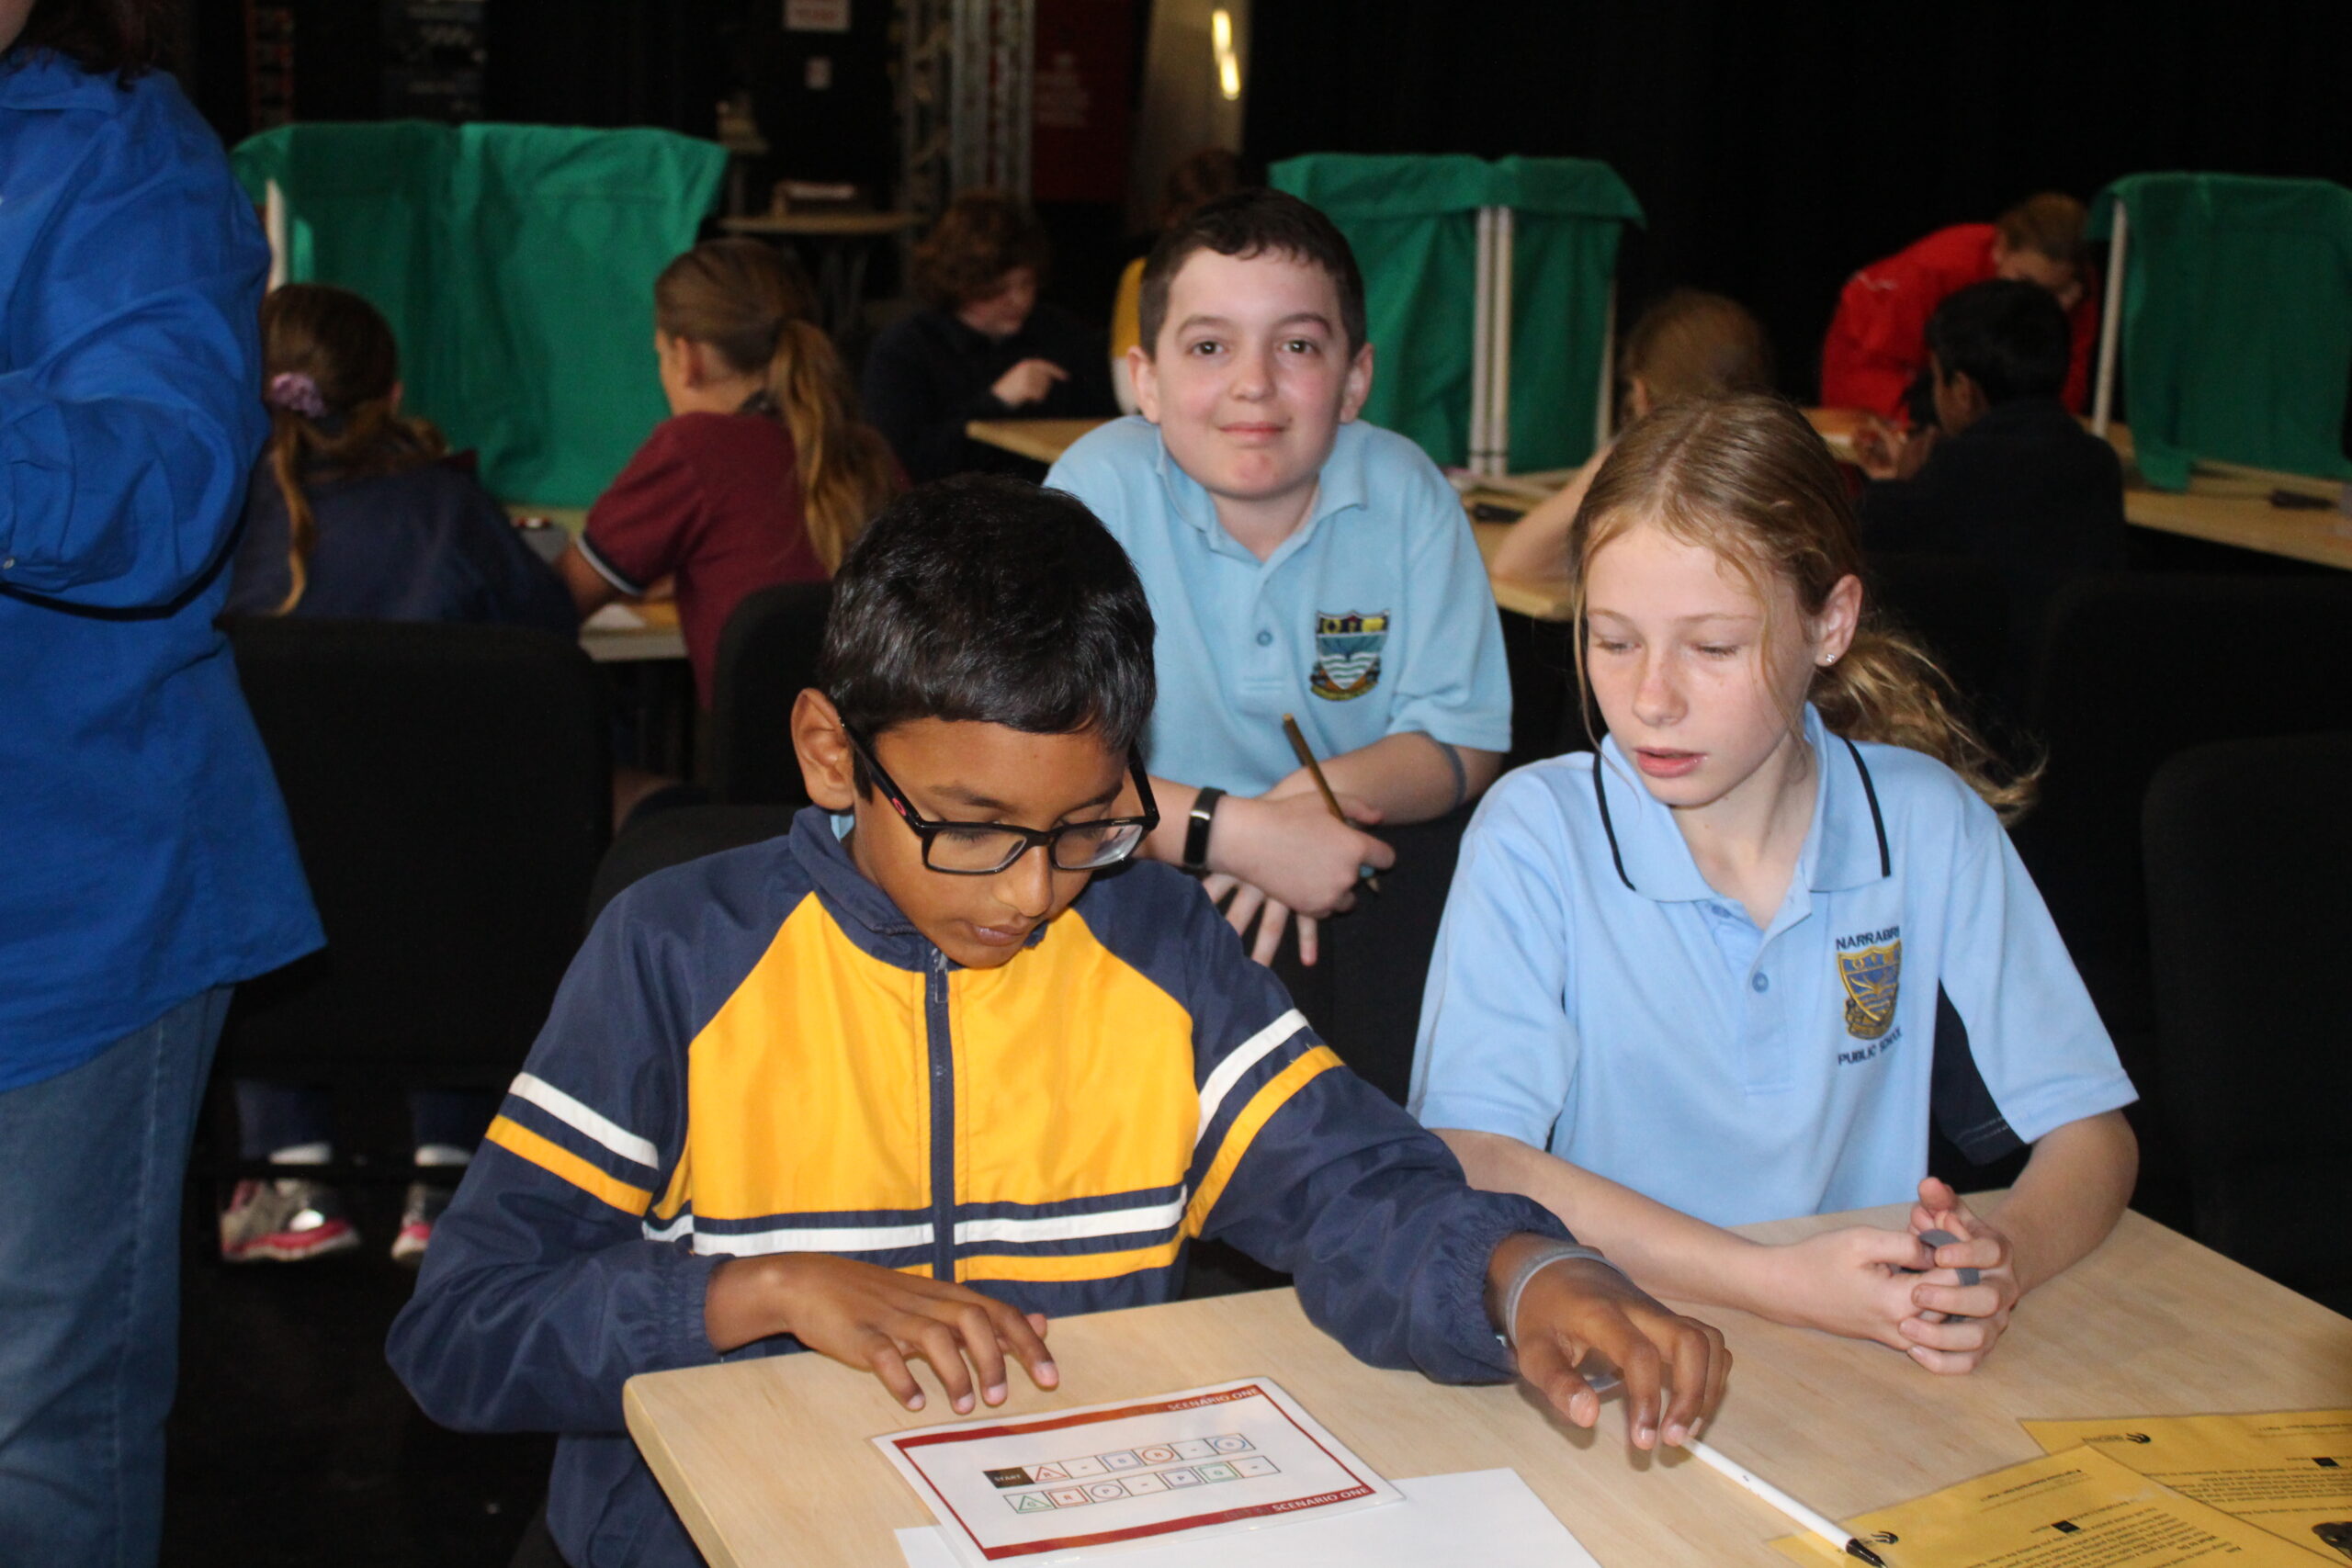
(292, 1443)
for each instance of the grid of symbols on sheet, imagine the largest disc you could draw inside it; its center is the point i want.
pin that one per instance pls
(1120, 1474)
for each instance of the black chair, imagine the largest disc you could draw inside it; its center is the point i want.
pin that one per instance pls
(450, 790)
(2133, 670)
(2248, 852)
(664, 838)
(1958, 607)
(766, 655)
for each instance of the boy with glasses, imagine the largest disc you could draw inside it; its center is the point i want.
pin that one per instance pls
(899, 1085)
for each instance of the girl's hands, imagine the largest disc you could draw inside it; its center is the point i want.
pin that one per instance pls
(877, 1320)
(1955, 1325)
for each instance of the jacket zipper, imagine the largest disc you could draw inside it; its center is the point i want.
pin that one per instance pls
(942, 1120)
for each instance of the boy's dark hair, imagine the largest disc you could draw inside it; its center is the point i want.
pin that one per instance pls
(1250, 223)
(986, 599)
(2008, 337)
(982, 236)
(121, 38)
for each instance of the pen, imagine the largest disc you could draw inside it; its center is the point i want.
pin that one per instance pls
(1314, 771)
(1850, 1545)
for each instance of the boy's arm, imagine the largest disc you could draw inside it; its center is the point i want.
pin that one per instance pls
(1406, 776)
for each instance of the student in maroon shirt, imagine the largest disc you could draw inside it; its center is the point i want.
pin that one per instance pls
(761, 475)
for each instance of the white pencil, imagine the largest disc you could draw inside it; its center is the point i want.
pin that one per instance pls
(1825, 1528)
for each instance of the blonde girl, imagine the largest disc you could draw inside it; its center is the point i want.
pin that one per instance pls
(763, 475)
(1727, 967)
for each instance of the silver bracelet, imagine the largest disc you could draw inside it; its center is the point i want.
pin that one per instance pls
(1535, 1262)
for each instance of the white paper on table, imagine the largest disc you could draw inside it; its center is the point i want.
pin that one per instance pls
(613, 618)
(1487, 1516)
(1204, 1463)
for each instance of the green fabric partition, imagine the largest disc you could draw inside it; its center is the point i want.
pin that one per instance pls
(2237, 321)
(1413, 224)
(516, 264)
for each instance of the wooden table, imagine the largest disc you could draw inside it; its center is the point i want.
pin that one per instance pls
(1042, 440)
(768, 1460)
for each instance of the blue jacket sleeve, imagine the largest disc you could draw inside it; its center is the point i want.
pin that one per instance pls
(543, 1292)
(130, 408)
(1309, 1169)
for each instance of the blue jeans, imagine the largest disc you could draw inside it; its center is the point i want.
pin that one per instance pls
(91, 1164)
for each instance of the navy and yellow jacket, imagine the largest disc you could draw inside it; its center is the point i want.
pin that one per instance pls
(757, 1052)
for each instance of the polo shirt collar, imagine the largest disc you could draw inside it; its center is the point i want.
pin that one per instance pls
(1845, 846)
(1339, 487)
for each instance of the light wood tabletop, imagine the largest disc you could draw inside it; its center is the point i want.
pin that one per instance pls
(768, 1462)
(1042, 440)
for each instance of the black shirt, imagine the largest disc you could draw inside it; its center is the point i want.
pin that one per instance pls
(929, 375)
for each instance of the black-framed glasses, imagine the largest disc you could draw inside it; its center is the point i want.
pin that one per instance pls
(983, 849)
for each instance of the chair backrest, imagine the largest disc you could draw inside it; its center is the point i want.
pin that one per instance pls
(767, 653)
(1958, 606)
(2249, 848)
(2133, 670)
(2236, 320)
(664, 838)
(450, 789)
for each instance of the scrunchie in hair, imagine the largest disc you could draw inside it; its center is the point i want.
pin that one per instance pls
(296, 393)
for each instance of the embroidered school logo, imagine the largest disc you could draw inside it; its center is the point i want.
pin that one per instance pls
(1347, 654)
(1872, 976)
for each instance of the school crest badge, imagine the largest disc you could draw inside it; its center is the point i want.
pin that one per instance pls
(1347, 654)
(1872, 976)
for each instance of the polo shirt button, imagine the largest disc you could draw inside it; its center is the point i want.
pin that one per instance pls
(1263, 637)
(1762, 982)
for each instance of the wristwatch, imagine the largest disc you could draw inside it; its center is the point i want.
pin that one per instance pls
(1196, 829)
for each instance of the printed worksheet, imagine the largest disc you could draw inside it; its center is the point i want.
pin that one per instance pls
(1233, 1457)
(2287, 1470)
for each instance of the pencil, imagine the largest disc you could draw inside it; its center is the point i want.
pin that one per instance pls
(1847, 1543)
(1314, 771)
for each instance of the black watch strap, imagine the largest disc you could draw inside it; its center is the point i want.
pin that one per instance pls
(1196, 828)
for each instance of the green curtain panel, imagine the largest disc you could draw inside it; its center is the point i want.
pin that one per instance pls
(516, 264)
(2237, 321)
(1413, 223)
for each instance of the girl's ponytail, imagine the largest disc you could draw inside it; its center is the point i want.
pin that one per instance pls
(845, 470)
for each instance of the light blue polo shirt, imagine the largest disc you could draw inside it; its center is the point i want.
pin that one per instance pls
(1592, 995)
(1373, 618)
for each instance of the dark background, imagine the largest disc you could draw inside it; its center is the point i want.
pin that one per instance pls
(1776, 147)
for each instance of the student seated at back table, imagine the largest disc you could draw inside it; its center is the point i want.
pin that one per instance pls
(919, 1024)
(1875, 356)
(1688, 345)
(2005, 474)
(760, 475)
(1299, 561)
(354, 512)
(1725, 969)
(983, 345)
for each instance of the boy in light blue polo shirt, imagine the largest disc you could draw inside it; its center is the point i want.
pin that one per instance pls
(1728, 968)
(1298, 562)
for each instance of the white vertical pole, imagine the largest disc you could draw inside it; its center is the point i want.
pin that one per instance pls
(2110, 324)
(1604, 413)
(1499, 361)
(272, 224)
(1481, 340)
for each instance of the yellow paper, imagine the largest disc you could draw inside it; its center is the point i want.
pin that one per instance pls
(2290, 1472)
(2075, 1509)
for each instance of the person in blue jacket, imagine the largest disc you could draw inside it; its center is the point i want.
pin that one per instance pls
(899, 1083)
(149, 865)
(1726, 967)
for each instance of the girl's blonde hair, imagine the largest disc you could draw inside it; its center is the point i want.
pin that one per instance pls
(329, 370)
(737, 297)
(1746, 477)
(1695, 344)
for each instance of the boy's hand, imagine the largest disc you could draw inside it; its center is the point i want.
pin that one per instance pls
(1850, 1282)
(1877, 447)
(1573, 1308)
(1028, 382)
(1281, 855)
(1956, 1325)
(876, 1319)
